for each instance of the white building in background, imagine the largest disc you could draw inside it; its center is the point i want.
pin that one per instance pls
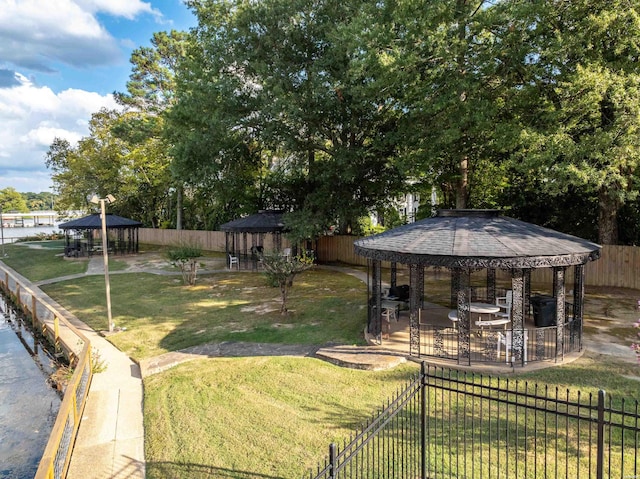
(407, 206)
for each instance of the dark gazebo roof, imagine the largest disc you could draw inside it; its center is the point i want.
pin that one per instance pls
(266, 221)
(477, 239)
(94, 222)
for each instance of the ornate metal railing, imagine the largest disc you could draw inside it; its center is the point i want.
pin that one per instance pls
(68, 340)
(497, 345)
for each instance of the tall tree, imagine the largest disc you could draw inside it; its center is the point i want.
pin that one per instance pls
(579, 99)
(126, 152)
(104, 163)
(276, 87)
(11, 200)
(442, 68)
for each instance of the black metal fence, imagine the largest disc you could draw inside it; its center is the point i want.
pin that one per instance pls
(448, 423)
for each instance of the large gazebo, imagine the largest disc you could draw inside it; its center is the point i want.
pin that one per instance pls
(468, 241)
(82, 235)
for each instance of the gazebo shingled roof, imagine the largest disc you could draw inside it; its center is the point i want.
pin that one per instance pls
(94, 222)
(266, 221)
(257, 225)
(79, 242)
(477, 239)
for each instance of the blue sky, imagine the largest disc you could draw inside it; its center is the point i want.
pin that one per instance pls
(60, 61)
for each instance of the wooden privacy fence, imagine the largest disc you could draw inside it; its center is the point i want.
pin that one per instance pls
(49, 319)
(207, 240)
(618, 266)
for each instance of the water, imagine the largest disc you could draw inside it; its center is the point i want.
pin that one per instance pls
(12, 234)
(28, 404)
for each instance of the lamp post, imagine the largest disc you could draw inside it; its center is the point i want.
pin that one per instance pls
(105, 253)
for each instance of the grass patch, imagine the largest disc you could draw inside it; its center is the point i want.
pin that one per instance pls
(591, 373)
(48, 244)
(161, 315)
(256, 417)
(275, 417)
(37, 264)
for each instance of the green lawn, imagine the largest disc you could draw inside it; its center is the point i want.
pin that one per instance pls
(275, 417)
(256, 417)
(159, 314)
(45, 262)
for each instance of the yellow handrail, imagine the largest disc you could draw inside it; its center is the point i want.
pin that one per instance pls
(57, 454)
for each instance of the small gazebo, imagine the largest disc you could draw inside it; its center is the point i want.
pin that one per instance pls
(82, 235)
(244, 235)
(468, 241)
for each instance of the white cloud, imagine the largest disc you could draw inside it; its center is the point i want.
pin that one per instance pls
(32, 116)
(36, 33)
(121, 8)
(49, 36)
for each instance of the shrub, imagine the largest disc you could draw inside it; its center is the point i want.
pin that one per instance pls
(185, 257)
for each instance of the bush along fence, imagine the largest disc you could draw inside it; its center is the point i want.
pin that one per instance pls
(52, 321)
(448, 423)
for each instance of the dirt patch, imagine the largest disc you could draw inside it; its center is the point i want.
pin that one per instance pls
(263, 308)
(609, 317)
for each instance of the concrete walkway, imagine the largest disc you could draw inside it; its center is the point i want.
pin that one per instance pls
(110, 442)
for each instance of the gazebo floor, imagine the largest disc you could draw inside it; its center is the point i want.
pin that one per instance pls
(483, 343)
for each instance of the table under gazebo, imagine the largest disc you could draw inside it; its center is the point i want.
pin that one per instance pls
(83, 235)
(466, 242)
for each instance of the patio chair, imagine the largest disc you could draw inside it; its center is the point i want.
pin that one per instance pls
(505, 302)
(505, 338)
(233, 260)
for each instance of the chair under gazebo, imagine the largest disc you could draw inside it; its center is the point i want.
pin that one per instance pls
(469, 241)
(247, 235)
(83, 235)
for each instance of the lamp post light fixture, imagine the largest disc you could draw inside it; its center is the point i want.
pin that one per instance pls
(105, 252)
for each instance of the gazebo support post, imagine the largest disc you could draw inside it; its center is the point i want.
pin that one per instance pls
(376, 302)
(527, 291)
(394, 274)
(416, 292)
(244, 245)
(578, 300)
(455, 286)
(463, 306)
(491, 285)
(517, 315)
(560, 295)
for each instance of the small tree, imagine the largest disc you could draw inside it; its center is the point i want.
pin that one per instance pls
(185, 257)
(281, 270)
(635, 346)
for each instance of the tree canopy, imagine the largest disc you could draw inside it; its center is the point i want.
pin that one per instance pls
(330, 110)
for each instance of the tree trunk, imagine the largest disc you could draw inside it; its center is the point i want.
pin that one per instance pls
(607, 218)
(179, 208)
(463, 184)
(283, 295)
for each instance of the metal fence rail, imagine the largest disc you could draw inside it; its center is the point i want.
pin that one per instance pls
(453, 424)
(491, 346)
(77, 348)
